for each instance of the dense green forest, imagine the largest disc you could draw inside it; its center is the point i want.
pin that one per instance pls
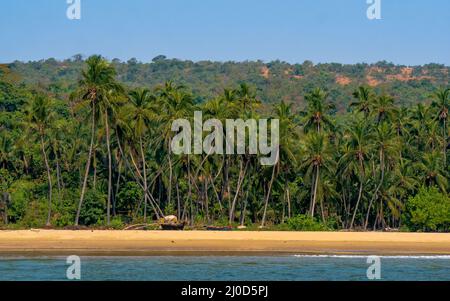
(86, 143)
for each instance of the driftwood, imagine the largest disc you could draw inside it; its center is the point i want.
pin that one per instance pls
(139, 226)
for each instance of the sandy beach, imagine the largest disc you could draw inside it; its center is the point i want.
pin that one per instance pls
(54, 242)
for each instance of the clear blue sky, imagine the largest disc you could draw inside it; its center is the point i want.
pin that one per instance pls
(411, 31)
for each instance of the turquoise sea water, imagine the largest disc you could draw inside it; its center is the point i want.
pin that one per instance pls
(225, 268)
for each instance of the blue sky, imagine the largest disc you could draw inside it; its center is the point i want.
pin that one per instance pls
(411, 32)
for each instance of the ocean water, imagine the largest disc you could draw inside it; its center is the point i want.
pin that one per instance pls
(227, 268)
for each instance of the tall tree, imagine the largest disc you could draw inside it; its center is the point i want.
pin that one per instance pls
(442, 104)
(95, 94)
(39, 117)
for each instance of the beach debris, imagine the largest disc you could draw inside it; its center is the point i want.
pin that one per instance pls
(140, 226)
(170, 222)
(215, 228)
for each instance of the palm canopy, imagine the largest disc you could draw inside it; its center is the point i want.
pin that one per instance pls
(97, 87)
(384, 108)
(318, 111)
(441, 102)
(142, 110)
(39, 112)
(364, 96)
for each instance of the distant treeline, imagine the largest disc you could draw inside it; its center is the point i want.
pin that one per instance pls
(274, 81)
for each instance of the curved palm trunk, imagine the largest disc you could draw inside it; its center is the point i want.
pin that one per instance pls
(269, 190)
(119, 166)
(376, 190)
(316, 184)
(108, 145)
(357, 204)
(138, 178)
(88, 164)
(49, 176)
(238, 189)
(361, 183)
(266, 201)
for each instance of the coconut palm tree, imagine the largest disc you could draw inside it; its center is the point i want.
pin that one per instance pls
(175, 103)
(317, 115)
(356, 156)
(317, 156)
(383, 108)
(431, 171)
(364, 96)
(95, 93)
(442, 104)
(386, 143)
(40, 117)
(141, 116)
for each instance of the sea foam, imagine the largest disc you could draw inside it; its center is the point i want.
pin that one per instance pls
(446, 257)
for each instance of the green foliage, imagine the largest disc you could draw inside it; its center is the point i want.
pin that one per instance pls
(306, 223)
(22, 195)
(129, 194)
(93, 208)
(116, 223)
(428, 210)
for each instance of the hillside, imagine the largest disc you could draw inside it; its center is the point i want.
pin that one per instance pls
(274, 80)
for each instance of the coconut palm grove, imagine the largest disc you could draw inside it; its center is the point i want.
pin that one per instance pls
(86, 143)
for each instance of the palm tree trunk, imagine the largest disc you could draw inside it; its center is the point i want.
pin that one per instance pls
(316, 184)
(287, 196)
(357, 204)
(211, 180)
(178, 201)
(119, 165)
(169, 193)
(138, 178)
(144, 170)
(238, 189)
(445, 144)
(88, 164)
(190, 192)
(205, 185)
(244, 204)
(49, 176)
(58, 177)
(376, 190)
(108, 145)
(269, 190)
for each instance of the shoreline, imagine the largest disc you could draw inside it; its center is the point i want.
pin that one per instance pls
(230, 243)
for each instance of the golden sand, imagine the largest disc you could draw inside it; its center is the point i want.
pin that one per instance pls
(30, 242)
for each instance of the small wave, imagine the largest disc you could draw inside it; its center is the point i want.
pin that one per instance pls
(447, 257)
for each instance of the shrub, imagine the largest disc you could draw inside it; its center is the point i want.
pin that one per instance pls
(117, 223)
(428, 210)
(93, 208)
(22, 195)
(305, 223)
(129, 195)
